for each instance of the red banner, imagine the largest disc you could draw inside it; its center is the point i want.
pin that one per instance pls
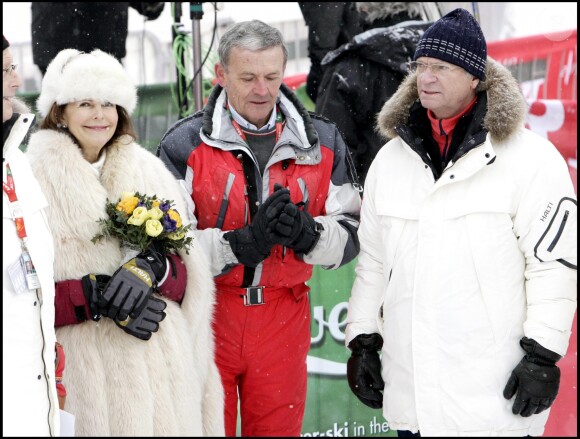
(556, 120)
(544, 65)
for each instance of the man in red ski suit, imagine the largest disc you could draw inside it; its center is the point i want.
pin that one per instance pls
(273, 193)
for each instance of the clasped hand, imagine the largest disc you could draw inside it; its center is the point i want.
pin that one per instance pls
(277, 221)
(292, 227)
(126, 297)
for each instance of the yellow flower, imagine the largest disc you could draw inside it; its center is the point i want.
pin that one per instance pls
(155, 213)
(140, 214)
(128, 205)
(175, 217)
(176, 236)
(138, 220)
(153, 227)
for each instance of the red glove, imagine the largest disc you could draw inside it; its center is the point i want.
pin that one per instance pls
(59, 362)
(173, 287)
(70, 304)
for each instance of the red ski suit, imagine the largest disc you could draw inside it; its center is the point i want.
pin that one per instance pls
(261, 349)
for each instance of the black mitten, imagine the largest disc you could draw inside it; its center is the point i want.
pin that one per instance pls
(146, 322)
(93, 286)
(536, 379)
(252, 244)
(363, 369)
(296, 229)
(132, 284)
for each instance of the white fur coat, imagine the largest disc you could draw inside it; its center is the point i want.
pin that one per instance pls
(118, 385)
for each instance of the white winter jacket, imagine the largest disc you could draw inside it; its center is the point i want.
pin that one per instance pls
(454, 272)
(30, 404)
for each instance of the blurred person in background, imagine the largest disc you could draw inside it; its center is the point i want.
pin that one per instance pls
(361, 75)
(465, 288)
(84, 26)
(137, 328)
(330, 25)
(29, 393)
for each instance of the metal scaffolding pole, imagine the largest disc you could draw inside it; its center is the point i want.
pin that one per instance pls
(196, 13)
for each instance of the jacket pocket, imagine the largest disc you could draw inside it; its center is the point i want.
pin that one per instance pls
(558, 242)
(225, 201)
(305, 184)
(394, 233)
(213, 197)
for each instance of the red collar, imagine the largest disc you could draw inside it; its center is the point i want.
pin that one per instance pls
(448, 125)
(442, 129)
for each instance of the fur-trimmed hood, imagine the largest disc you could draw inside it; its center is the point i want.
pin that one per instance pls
(375, 11)
(506, 109)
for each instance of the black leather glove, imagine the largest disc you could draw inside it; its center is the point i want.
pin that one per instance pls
(252, 244)
(363, 369)
(536, 379)
(131, 285)
(296, 229)
(147, 322)
(93, 286)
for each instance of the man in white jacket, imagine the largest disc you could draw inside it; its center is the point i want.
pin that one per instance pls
(30, 404)
(466, 279)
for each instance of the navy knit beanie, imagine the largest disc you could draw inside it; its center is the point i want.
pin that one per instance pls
(457, 39)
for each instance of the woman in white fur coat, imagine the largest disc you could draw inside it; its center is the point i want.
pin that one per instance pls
(84, 155)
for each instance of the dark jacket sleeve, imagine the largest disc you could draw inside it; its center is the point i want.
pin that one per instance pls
(84, 26)
(330, 25)
(339, 101)
(151, 10)
(177, 144)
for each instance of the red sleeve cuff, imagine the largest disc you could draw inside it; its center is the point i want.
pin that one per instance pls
(70, 305)
(59, 370)
(176, 280)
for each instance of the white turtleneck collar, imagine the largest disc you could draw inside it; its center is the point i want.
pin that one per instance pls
(98, 165)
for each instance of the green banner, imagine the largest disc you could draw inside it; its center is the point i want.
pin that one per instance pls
(331, 408)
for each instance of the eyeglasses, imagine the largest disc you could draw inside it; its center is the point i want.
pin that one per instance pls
(436, 69)
(10, 69)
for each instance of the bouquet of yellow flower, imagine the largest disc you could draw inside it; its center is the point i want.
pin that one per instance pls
(139, 220)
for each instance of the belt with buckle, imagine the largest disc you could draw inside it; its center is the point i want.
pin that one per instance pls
(255, 295)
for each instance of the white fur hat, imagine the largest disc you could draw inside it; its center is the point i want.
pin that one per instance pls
(73, 75)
